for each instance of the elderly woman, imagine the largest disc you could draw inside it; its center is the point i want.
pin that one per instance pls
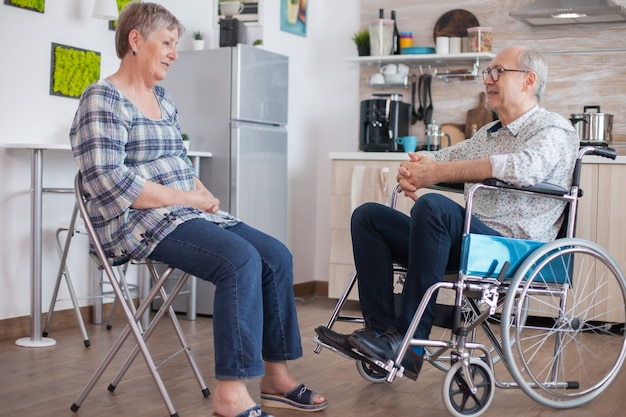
(145, 202)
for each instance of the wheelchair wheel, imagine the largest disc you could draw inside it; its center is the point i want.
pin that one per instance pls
(572, 345)
(458, 396)
(370, 373)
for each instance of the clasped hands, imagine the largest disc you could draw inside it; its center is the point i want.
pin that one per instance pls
(418, 172)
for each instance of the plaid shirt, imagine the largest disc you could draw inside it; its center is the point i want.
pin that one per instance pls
(117, 149)
(540, 146)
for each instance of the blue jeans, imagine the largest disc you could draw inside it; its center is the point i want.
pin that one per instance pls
(428, 243)
(254, 313)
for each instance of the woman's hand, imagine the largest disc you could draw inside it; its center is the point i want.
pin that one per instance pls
(202, 199)
(157, 195)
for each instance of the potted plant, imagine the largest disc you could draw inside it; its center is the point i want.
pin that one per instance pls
(198, 40)
(362, 41)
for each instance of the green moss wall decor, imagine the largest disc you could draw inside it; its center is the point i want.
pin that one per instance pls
(120, 6)
(35, 5)
(72, 70)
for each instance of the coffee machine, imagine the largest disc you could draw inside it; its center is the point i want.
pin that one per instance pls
(384, 118)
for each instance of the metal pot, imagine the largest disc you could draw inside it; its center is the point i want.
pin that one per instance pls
(593, 128)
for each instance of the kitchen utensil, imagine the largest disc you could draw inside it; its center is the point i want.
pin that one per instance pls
(415, 116)
(454, 23)
(428, 100)
(455, 131)
(381, 37)
(478, 116)
(593, 128)
(434, 137)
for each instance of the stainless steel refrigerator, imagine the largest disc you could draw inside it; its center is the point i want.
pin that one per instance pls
(233, 102)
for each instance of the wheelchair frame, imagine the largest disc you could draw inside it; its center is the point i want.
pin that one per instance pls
(531, 280)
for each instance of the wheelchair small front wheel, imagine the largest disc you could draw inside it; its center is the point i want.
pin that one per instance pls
(370, 373)
(458, 396)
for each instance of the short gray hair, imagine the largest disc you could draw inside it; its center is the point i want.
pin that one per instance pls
(146, 18)
(531, 59)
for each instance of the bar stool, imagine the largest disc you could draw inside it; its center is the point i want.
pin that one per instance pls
(130, 291)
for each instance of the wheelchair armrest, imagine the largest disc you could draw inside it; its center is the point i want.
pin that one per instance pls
(541, 188)
(453, 187)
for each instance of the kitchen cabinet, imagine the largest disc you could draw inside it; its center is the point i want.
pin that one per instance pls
(600, 211)
(341, 260)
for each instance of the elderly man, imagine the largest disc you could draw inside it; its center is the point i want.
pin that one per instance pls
(526, 146)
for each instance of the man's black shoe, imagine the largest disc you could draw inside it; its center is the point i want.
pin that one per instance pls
(385, 347)
(338, 340)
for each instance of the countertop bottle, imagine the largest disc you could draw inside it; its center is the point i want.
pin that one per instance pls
(396, 35)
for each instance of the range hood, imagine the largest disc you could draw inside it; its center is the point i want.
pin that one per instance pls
(567, 12)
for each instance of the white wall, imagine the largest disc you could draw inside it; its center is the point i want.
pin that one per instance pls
(323, 117)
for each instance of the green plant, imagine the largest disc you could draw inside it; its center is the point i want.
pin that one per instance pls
(197, 35)
(362, 37)
(257, 42)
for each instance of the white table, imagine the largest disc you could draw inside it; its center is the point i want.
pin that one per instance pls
(36, 339)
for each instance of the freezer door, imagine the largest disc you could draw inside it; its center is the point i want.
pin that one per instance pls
(260, 82)
(259, 177)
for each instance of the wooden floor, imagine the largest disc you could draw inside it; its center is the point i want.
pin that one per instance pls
(37, 382)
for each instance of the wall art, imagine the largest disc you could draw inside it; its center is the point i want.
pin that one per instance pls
(293, 16)
(34, 5)
(120, 6)
(72, 70)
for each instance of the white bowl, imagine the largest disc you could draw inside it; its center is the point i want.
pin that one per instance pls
(395, 78)
(377, 79)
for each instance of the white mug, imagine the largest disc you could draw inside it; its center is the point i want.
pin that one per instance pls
(390, 69)
(377, 79)
(403, 69)
(455, 45)
(231, 8)
(443, 44)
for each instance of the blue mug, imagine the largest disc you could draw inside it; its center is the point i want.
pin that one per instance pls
(409, 143)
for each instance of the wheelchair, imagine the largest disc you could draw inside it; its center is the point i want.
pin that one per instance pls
(551, 314)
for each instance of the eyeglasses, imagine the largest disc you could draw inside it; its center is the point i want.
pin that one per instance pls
(494, 73)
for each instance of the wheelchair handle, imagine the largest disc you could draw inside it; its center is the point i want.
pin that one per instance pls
(590, 150)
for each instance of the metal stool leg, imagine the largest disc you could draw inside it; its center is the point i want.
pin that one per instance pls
(166, 307)
(131, 327)
(64, 272)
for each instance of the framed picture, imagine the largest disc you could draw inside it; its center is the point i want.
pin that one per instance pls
(34, 5)
(293, 16)
(120, 6)
(72, 70)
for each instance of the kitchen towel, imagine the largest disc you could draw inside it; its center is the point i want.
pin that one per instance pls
(369, 184)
